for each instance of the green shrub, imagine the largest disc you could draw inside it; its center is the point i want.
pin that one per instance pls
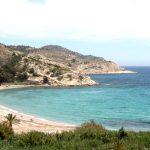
(70, 77)
(91, 130)
(35, 74)
(31, 70)
(5, 76)
(89, 136)
(69, 64)
(10, 70)
(59, 78)
(81, 77)
(73, 60)
(52, 75)
(45, 80)
(57, 71)
(48, 72)
(118, 145)
(26, 60)
(22, 77)
(121, 134)
(32, 139)
(5, 131)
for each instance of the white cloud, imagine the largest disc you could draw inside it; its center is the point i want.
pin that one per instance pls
(37, 1)
(76, 19)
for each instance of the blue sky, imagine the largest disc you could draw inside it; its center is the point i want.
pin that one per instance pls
(117, 30)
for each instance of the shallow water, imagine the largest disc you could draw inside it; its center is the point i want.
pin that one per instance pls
(122, 100)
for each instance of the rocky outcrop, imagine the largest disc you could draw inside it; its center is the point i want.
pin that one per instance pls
(105, 67)
(39, 67)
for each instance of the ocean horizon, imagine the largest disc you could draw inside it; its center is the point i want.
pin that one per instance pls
(122, 100)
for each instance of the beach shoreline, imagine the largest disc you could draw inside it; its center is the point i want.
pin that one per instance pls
(8, 86)
(29, 123)
(18, 86)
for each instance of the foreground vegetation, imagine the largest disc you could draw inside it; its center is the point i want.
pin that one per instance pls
(90, 136)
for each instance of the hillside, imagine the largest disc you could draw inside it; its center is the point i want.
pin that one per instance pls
(19, 66)
(52, 65)
(85, 64)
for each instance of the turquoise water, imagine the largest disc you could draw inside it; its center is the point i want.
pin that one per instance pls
(124, 102)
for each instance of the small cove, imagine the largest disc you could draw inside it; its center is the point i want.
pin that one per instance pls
(122, 100)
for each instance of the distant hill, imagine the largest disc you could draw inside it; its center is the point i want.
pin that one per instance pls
(57, 53)
(86, 64)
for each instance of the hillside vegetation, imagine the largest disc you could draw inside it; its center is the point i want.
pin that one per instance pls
(90, 136)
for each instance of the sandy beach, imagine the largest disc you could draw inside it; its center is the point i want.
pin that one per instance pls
(31, 123)
(15, 86)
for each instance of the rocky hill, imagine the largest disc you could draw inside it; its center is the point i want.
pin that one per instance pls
(85, 64)
(18, 66)
(52, 64)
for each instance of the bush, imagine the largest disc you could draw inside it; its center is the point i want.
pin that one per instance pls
(31, 70)
(5, 76)
(90, 136)
(5, 131)
(57, 71)
(10, 70)
(73, 60)
(45, 80)
(118, 145)
(121, 134)
(35, 74)
(91, 130)
(59, 78)
(22, 77)
(70, 77)
(69, 64)
(33, 138)
(81, 78)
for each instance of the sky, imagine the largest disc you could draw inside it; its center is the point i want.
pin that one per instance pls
(118, 30)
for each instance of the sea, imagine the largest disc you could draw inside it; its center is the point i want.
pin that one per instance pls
(121, 100)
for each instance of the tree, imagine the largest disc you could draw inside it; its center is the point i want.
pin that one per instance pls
(73, 60)
(81, 77)
(10, 119)
(5, 131)
(22, 77)
(31, 70)
(70, 77)
(45, 80)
